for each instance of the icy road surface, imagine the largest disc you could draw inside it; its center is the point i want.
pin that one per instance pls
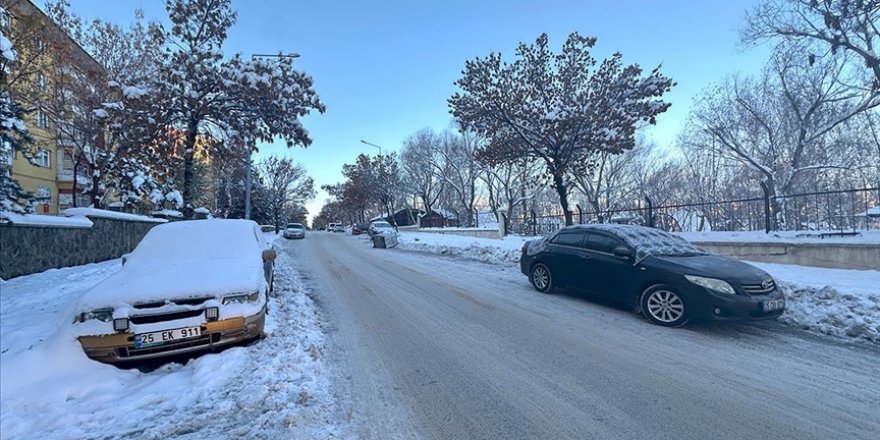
(433, 347)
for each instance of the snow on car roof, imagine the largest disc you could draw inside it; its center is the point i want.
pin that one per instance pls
(200, 239)
(187, 259)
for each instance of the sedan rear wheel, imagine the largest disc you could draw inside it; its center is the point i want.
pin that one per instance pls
(541, 278)
(663, 306)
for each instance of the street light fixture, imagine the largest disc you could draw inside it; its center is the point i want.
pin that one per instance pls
(372, 145)
(249, 179)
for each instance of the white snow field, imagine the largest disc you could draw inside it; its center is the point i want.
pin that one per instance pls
(836, 302)
(275, 388)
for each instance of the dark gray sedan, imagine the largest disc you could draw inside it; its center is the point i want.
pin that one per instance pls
(666, 278)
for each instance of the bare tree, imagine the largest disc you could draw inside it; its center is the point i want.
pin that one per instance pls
(780, 123)
(838, 25)
(420, 151)
(288, 188)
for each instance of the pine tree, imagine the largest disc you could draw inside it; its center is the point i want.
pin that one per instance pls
(14, 136)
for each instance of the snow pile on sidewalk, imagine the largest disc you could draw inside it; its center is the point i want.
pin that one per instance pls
(506, 251)
(275, 388)
(836, 302)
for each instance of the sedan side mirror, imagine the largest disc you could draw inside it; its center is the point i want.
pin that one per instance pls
(269, 255)
(622, 252)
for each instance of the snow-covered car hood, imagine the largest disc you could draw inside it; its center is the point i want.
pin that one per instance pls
(151, 280)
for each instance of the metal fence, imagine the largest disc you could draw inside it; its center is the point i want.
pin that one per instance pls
(838, 212)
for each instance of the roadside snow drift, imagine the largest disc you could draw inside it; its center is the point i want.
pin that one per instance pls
(49, 389)
(835, 302)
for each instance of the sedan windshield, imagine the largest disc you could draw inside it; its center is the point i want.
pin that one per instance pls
(654, 242)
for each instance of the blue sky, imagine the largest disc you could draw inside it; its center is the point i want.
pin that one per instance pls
(385, 70)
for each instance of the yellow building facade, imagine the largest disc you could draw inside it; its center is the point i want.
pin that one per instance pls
(44, 50)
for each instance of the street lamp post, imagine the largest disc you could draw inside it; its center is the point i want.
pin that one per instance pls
(372, 145)
(249, 178)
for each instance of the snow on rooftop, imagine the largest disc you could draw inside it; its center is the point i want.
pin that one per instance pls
(202, 210)
(103, 213)
(46, 220)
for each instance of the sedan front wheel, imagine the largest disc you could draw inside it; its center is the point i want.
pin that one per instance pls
(662, 305)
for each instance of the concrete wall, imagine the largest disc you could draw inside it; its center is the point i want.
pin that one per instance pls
(26, 249)
(466, 232)
(832, 255)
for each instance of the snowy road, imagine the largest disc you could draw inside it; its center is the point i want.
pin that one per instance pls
(433, 347)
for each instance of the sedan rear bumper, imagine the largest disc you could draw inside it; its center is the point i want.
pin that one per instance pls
(119, 348)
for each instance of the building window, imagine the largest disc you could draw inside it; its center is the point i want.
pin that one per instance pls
(42, 82)
(43, 159)
(42, 119)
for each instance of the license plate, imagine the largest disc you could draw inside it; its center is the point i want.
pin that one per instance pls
(159, 338)
(771, 306)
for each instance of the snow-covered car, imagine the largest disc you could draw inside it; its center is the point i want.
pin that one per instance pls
(668, 279)
(381, 227)
(294, 230)
(188, 286)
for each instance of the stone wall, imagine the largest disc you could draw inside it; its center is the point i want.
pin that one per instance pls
(27, 249)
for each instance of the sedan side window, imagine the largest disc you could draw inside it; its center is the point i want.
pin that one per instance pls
(569, 239)
(603, 243)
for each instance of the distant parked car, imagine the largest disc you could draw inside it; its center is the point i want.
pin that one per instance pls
(666, 278)
(336, 227)
(359, 228)
(295, 230)
(381, 227)
(188, 286)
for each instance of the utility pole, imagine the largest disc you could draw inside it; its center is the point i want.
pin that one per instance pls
(247, 192)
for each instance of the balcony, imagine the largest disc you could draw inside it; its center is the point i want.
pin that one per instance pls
(65, 175)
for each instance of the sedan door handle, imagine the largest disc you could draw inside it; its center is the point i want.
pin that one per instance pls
(585, 257)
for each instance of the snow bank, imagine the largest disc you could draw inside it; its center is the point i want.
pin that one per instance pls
(46, 220)
(490, 250)
(836, 302)
(102, 213)
(278, 387)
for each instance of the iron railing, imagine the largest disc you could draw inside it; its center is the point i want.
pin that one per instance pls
(840, 212)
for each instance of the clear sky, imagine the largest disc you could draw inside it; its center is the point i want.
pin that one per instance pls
(385, 69)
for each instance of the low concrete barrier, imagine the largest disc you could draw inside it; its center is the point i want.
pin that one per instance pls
(831, 255)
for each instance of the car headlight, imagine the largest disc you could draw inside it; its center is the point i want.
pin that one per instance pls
(103, 315)
(712, 284)
(241, 299)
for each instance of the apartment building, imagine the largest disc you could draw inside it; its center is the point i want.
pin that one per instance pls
(49, 63)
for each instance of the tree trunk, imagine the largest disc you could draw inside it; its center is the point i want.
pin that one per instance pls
(188, 155)
(562, 190)
(96, 182)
